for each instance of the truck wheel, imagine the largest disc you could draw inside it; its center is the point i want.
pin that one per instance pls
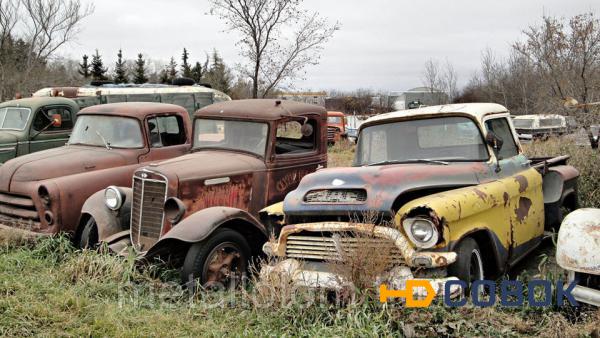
(217, 261)
(88, 239)
(469, 265)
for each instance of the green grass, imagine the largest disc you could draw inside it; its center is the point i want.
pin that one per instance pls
(47, 288)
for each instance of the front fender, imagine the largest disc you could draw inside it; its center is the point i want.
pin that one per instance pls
(201, 224)
(578, 244)
(109, 222)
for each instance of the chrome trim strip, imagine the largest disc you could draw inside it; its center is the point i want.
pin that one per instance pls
(218, 180)
(2, 150)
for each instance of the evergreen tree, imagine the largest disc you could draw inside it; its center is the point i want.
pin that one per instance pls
(139, 73)
(98, 71)
(186, 69)
(172, 69)
(197, 72)
(120, 71)
(219, 75)
(84, 68)
(164, 76)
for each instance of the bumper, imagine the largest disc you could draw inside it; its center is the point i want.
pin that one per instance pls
(24, 232)
(586, 295)
(318, 275)
(314, 272)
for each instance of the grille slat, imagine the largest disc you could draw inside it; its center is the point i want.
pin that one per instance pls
(324, 248)
(147, 211)
(336, 196)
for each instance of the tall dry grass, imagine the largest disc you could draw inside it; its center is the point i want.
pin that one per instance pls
(584, 158)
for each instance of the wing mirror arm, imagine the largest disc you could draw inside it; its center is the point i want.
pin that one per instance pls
(496, 143)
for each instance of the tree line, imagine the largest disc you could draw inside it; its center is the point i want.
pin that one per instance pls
(213, 71)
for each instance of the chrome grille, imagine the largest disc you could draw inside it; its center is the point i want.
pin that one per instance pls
(18, 211)
(336, 196)
(147, 211)
(324, 248)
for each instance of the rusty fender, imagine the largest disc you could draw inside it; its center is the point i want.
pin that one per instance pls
(201, 224)
(412, 257)
(578, 245)
(492, 206)
(559, 182)
(109, 222)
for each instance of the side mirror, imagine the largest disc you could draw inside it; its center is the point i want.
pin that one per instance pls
(56, 120)
(494, 141)
(306, 130)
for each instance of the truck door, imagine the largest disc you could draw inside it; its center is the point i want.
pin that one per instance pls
(523, 203)
(293, 156)
(166, 137)
(46, 135)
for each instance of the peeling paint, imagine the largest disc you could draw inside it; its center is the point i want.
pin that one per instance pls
(523, 209)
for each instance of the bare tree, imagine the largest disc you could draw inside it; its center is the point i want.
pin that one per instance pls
(274, 50)
(31, 31)
(437, 77)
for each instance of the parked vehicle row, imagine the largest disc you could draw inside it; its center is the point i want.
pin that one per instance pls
(46, 120)
(445, 192)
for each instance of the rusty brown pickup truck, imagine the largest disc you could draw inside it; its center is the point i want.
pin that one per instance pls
(200, 210)
(43, 192)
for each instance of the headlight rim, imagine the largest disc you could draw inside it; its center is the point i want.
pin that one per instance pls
(408, 223)
(178, 206)
(120, 198)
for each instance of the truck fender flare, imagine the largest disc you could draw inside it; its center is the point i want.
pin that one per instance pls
(109, 222)
(201, 224)
(559, 182)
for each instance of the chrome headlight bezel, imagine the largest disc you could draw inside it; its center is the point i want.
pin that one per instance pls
(113, 198)
(422, 240)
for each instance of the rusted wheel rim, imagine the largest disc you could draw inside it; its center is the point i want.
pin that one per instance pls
(223, 264)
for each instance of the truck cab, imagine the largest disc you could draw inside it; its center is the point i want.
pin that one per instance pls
(34, 124)
(202, 208)
(336, 126)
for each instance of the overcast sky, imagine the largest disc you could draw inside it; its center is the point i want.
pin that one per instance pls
(382, 44)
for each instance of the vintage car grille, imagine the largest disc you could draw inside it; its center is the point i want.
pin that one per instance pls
(18, 211)
(331, 131)
(326, 248)
(336, 196)
(147, 211)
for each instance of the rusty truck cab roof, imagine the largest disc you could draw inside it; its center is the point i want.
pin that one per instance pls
(260, 109)
(137, 110)
(477, 111)
(335, 113)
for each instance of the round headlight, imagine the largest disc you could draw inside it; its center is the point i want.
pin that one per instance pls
(113, 198)
(174, 209)
(421, 231)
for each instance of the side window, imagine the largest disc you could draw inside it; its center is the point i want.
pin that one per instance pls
(290, 139)
(166, 131)
(45, 116)
(501, 128)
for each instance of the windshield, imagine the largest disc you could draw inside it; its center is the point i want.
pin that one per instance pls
(550, 122)
(442, 139)
(232, 135)
(523, 123)
(334, 119)
(111, 131)
(14, 118)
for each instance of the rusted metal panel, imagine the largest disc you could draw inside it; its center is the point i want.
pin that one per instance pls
(50, 187)
(578, 245)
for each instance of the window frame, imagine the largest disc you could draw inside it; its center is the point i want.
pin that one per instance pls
(180, 125)
(28, 117)
(515, 137)
(316, 135)
(49, 130)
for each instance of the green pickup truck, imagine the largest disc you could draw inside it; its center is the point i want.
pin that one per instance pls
(34, 124)
(45, 121)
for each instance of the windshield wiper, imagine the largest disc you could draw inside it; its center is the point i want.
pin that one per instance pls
(106, 144)
(412, 160)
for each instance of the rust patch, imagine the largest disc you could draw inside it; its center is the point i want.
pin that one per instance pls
(441, 261)
(506, 198)
(480, 194)
(523, 209)
(523, 184)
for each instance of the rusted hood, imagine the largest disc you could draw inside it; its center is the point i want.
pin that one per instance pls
(208, 164)
(383, 185)
(57, 162)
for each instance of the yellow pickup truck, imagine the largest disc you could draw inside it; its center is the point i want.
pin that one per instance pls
(446, 189)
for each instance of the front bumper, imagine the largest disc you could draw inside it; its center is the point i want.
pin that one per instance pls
(318, 273)
(584, 294)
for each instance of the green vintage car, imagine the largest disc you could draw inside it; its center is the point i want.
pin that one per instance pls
(34, 124)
